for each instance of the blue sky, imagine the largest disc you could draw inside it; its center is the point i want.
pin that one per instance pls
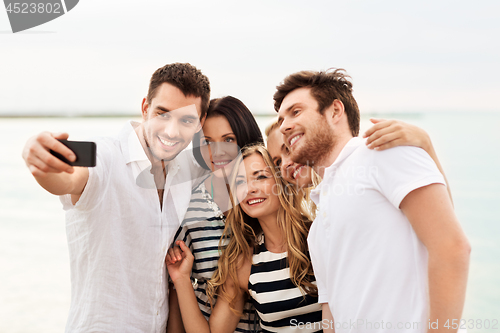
(403, 56)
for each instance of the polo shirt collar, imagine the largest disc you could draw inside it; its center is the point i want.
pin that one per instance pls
(348, 149)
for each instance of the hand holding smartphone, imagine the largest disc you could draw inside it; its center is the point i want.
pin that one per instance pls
(85, 152)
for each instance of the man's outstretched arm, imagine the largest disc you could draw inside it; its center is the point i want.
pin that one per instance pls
(431, 214)
(52, 174)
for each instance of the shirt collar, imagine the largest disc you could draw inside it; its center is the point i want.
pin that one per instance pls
(348, 149)
(133, 149)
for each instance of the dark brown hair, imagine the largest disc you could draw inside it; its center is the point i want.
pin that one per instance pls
(240, 119)
(326, 86)
(187, 78)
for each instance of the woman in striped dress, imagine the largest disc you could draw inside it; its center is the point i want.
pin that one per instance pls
(265, 257)
(228, 126)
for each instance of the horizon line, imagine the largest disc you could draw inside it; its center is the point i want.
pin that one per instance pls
(256, 114)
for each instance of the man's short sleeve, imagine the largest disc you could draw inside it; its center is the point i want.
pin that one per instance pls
(321, 284)
(318, 256)
(400, 170)
(98, 179)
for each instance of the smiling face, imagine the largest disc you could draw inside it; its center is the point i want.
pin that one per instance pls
(218, 144)
(170, 121)
(306, 132)
(256, 188)
(298, 174)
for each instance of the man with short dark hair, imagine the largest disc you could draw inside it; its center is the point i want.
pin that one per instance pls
(122, 215)
(387, 250)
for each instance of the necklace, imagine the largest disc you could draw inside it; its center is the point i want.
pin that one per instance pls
(210, 201)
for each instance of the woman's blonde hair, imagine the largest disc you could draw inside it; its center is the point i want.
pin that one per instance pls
(241, 231)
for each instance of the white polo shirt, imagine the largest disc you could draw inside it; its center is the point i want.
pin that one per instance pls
(118, 238)
(369, 264)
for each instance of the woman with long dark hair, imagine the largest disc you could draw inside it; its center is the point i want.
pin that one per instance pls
(229, 126)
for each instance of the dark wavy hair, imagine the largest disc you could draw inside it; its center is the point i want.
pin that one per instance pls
(240, 119)
(186, 78)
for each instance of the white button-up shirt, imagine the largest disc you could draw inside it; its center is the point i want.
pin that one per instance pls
(118, 237)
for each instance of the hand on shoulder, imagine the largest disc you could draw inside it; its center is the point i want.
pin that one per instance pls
(385, 134)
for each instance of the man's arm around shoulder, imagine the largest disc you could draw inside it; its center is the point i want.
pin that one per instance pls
(431, 214)
(52, 174)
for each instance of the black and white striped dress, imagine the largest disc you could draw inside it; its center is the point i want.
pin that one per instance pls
(280, 304)
(201, 230)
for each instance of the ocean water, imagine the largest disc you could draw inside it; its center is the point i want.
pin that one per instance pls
(34, 262)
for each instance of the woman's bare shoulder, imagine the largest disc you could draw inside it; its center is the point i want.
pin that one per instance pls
(244, 268)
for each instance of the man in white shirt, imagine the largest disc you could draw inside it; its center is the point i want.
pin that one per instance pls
(121, 216)
(387, 249)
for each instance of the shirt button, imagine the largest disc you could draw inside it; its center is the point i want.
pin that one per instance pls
(324, 215)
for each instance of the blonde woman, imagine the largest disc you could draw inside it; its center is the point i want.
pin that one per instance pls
(266, 257)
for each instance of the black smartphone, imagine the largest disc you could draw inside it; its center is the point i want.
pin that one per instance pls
(85, 152)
